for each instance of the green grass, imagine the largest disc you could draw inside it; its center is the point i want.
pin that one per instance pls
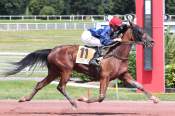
(16, 89)
(28, 41)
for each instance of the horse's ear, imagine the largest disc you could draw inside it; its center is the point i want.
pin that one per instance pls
(130, 23)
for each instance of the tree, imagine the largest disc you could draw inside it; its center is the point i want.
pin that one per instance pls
(67, 7)
(123, 7)
(105, 7)
(47, 10)
(58, 5)
(36, 6)
(12, 7)
(170, 7)
(88, 7)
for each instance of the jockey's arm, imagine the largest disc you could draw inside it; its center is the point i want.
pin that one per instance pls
(105, 36)
(118, 38)
(119, 33)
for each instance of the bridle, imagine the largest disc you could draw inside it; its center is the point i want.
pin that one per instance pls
(142, 42)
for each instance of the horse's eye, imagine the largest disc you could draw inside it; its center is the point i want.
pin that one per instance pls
(140, 32)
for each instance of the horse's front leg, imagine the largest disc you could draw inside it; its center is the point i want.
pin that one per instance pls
(62, 86)
(128, 79)
(104, 81)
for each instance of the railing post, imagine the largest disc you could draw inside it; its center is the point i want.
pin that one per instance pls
(65, 26)
(55, 26)
(82, 17)
(27, 25)
(35, 18)
(36, 26)
(8, 27)
(84, 26)
(17, 26)
(75, 26)
(46, 26)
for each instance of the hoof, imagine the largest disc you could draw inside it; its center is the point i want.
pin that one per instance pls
(154, 99)
(83, 99)
(23, 99)
(74, 109)
(74, 105)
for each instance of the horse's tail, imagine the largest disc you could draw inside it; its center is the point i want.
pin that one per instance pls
(32, 59)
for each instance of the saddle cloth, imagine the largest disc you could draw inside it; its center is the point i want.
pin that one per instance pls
(84, 55)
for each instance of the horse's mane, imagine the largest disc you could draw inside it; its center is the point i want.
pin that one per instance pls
(117, 43)
(137, 32)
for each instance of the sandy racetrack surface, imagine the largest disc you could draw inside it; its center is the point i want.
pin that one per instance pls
(106, 108)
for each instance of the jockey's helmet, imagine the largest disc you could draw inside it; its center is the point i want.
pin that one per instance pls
(115, 21)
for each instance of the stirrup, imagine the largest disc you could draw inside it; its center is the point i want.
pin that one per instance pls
(94, 62)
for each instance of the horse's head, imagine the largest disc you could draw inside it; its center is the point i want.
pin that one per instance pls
(137, 34)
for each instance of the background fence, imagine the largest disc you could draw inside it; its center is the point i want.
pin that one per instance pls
(54, 17)
(44, 26)
(67, 22)
(62, 26)
(72, 17)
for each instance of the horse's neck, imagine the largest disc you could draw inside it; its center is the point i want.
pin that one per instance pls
(122, 51)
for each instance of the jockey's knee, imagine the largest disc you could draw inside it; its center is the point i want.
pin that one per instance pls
(86, 35)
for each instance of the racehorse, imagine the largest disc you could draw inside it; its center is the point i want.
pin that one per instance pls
(61, 61)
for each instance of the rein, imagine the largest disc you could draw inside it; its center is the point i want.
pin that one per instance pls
(117, 56)
(121, 43)
(131, 42)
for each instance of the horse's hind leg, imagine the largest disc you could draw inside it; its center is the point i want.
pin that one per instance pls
(65, 76)
(128, 79)
(39, 86)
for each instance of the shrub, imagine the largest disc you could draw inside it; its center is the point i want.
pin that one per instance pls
(170, 76)
(47, 10)
(169, 48)
(169, 60)
(132, 64)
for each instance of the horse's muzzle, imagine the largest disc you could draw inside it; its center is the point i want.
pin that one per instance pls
(147, 41)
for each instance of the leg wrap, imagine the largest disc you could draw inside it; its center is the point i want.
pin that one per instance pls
(136, 84)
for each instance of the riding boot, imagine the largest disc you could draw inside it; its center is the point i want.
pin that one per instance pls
(94, 61)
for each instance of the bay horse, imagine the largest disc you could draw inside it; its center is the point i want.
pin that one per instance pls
(60, 62)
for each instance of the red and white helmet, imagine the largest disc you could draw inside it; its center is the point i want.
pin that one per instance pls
(115, 21)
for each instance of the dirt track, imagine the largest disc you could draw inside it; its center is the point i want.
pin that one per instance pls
(106, 108)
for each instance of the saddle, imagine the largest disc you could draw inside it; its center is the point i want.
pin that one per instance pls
(87, 53)
(104, 50)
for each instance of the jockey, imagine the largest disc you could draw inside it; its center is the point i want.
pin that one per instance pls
(102, 36)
